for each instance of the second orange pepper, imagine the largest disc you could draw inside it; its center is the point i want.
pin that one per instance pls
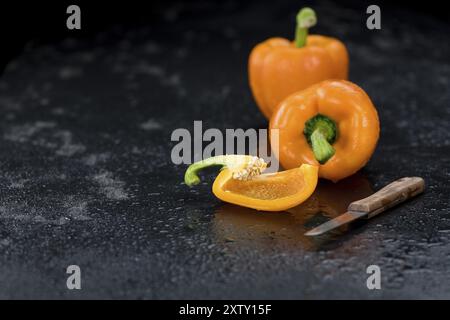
(279, 67)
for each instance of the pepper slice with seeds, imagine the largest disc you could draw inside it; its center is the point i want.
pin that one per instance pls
(241, 182)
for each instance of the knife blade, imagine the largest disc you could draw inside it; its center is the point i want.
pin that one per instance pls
(389, 196)
(344, 218)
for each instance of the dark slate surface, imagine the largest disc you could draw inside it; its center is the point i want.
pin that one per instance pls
(86, 176)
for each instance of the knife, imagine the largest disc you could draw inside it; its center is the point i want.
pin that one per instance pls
(387, 197)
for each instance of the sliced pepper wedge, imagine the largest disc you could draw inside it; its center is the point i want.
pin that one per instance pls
(268, 192)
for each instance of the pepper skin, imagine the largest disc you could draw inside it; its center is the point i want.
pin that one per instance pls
(340, 145)
(278, 67)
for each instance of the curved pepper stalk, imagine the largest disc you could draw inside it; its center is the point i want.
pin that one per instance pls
(306, 18)
(243, 166)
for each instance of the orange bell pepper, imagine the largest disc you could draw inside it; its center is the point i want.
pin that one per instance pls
(278, 67)
(332, 124)
(241, 182)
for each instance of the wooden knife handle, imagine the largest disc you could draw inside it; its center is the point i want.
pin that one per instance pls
(389, 196)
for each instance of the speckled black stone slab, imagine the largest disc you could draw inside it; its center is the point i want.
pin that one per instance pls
(86, 176)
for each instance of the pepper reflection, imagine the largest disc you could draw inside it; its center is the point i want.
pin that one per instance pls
(238, 224)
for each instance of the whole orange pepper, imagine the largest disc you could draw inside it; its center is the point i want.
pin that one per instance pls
(278, 67)
(332, 124)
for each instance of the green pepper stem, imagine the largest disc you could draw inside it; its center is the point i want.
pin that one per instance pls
(321, 133)
(191, 177)
(306, 18)
(322, 149)
(250, 166)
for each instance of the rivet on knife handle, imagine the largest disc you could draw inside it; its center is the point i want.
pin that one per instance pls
(389, 196)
